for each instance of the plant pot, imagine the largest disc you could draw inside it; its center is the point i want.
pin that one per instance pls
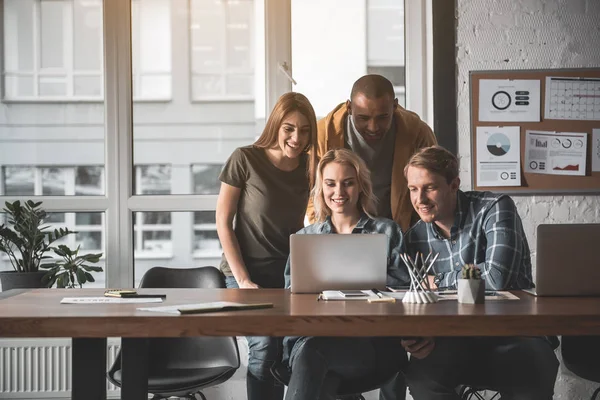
(21, 280)
(471, 291)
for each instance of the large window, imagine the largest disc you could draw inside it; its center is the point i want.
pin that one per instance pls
(122, 137)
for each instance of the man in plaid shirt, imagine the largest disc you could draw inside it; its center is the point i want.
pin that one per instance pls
(484, 229)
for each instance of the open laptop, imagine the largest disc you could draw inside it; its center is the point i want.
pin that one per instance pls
(338, 262)
(568, 260)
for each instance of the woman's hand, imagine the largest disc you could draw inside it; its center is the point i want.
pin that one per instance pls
(419, 347)
(248, 284)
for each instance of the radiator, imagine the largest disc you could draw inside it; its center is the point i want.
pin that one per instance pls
(41, 368)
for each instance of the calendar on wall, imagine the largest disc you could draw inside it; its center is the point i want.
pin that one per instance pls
(573, 98)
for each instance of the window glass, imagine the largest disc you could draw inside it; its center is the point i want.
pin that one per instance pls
(206, 178)
(52, 60)
(222, 51)
(53, 181)
(180, 145)
(373, 32)
(151, 49)
(175, 239)
(53, 49)
(18, 181)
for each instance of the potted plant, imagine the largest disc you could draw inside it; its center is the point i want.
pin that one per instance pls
(471, 288)
(27, 241)
(71, 270)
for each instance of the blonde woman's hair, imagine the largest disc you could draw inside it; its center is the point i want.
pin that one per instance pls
(286, 104)
(366, 199)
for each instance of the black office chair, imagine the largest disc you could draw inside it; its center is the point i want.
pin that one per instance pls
(183, 366)
(581, 356)
(348, 389)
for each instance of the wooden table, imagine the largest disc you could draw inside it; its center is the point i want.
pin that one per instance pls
(37, 313)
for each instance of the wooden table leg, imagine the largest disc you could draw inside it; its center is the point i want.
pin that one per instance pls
(134, 367)
(88, 377)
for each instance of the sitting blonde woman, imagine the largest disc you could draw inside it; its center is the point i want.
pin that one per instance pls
(344, 204)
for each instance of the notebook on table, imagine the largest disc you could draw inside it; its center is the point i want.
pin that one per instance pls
(200, 308)
(338, 262)
(568, 260)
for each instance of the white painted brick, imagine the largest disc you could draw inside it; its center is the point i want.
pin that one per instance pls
(539, 212)
(559, 212)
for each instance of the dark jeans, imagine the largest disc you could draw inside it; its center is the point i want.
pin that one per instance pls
(520, 368)
(320, 364)
(263, 352)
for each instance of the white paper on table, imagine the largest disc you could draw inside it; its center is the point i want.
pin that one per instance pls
(555, 153)
(109, 300)
(512, 100)
(573, 98)
(596, 150)
(498, 156)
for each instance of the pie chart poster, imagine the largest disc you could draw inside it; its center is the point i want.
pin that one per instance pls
(498, 156)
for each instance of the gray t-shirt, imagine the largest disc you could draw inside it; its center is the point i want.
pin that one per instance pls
(379, 159)
(272, 206)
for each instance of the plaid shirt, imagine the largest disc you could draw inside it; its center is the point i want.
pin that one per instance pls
(488, 232)
(397, 272)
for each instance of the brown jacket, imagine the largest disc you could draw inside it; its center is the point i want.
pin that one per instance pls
(411, 135)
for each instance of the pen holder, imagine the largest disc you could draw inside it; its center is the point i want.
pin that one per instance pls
(420, 297)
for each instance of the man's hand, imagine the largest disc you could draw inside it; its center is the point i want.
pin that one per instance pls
(248, 284)
(419, 347)
(431, 278)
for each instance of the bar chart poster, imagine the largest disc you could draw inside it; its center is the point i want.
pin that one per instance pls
(555, 153)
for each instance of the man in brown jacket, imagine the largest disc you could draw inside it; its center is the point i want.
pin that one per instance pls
(385, 135)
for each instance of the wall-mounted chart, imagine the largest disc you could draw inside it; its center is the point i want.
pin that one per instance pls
(498, 156)
(512, 100)
(555, 153)
(575, 98)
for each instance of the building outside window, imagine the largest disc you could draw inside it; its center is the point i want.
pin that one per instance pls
(53, 50)
(222, 51)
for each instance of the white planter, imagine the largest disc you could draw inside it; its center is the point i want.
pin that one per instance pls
(471, 291)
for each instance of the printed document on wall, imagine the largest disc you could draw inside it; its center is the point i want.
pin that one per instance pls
(498, 156)
(555, 153)
(575, 98)
(514, 100)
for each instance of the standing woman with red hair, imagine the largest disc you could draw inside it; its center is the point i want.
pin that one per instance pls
(266, 186)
